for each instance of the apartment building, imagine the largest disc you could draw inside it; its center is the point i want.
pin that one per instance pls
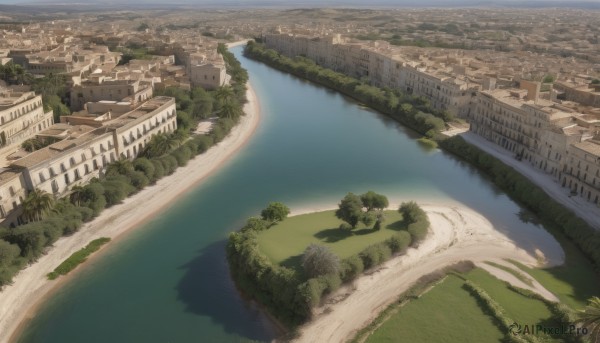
(22, 115)
(72, 161)
(99, 87)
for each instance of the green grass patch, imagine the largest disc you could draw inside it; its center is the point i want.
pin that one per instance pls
(285, 242)
(573, 283)
(447, 313)
(518, 307)
(77, 258)
(518, 274)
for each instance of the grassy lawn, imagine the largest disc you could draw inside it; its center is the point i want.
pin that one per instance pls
(285, 242)
(574, 282)
(518, 307)
(447, 313)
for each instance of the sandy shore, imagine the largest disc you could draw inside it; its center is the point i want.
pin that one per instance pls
(19, 301)
(238, 43)
(457, 233)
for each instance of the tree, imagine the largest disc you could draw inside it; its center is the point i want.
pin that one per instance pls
(224, 95)
(119, 167)
(590, 318)
(275, 212)
(76, 196)
(372, 201)
(231, 110)
(350, 209)
(596, 81)
(318, 260)
(37, 205)
(162, 143)
(548, 79)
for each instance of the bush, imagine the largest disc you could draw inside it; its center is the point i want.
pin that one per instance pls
(115, 191)
(399, 242)
(203, 143)
(275, 212)
(86, 213)
(182, 155)
(138, 179)
(169, 163)
(375, 255)
(318, 260)
(351, 268)
(256, 224)
(145, 166)
(159, 170)
(345, 227)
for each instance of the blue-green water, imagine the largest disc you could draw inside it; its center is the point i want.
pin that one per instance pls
(168, 281)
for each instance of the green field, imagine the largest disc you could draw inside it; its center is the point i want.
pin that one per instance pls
(456, 313)
(573, 282)
(518, 307)
(285, 242)
(447, 313)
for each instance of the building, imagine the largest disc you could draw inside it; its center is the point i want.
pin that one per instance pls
(22, 115)
(100, 87)
(97, 140)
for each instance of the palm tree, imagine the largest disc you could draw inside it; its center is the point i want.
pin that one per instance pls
(224, 95)
(590, 318)
(76, 195)
(37, 205)
(230, 110)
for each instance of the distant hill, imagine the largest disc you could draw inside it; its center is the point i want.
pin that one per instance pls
(589, 4)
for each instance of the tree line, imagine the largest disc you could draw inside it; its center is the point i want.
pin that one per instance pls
(47, 219)
(412, 111)
(289, 294)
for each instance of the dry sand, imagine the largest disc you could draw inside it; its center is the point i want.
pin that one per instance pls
(457, 233)
(19, 301)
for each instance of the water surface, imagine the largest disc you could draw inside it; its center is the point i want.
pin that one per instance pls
(168, 281)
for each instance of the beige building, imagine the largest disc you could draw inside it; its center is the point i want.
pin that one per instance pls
(22, 115)
(209, 76)
(99, 88)
(86, 150)
(12, 193)
(72, 161)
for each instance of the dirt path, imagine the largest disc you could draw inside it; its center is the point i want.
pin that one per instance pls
(457, 234)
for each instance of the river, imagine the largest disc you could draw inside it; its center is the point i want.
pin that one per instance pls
(168, 281)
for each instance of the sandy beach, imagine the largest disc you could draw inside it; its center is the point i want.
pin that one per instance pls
(457, 233)
(19, 301)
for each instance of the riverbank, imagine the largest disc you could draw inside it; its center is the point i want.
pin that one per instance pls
(457, 233)
(19, 301)
(585, 210)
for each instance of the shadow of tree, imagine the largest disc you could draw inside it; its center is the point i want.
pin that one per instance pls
(293, 262)
(399, 225)
(333, 235)
(207, 289)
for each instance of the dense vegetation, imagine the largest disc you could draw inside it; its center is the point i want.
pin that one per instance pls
(48, 219)
(77, 258)
(290, 293)
(414, 112)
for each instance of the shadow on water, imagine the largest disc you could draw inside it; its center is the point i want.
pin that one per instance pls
(207, 289)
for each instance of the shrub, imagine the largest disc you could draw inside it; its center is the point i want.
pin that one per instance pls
(375, 255)
(169, 163)
(351, 268)
(275, 212)
(138, 179)
(145, 166)
(182, 155)
(399, 242)
(318, 260)
(86, 213)
(345, 227)
(256, 224)
(159, 170)
(115, 191)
